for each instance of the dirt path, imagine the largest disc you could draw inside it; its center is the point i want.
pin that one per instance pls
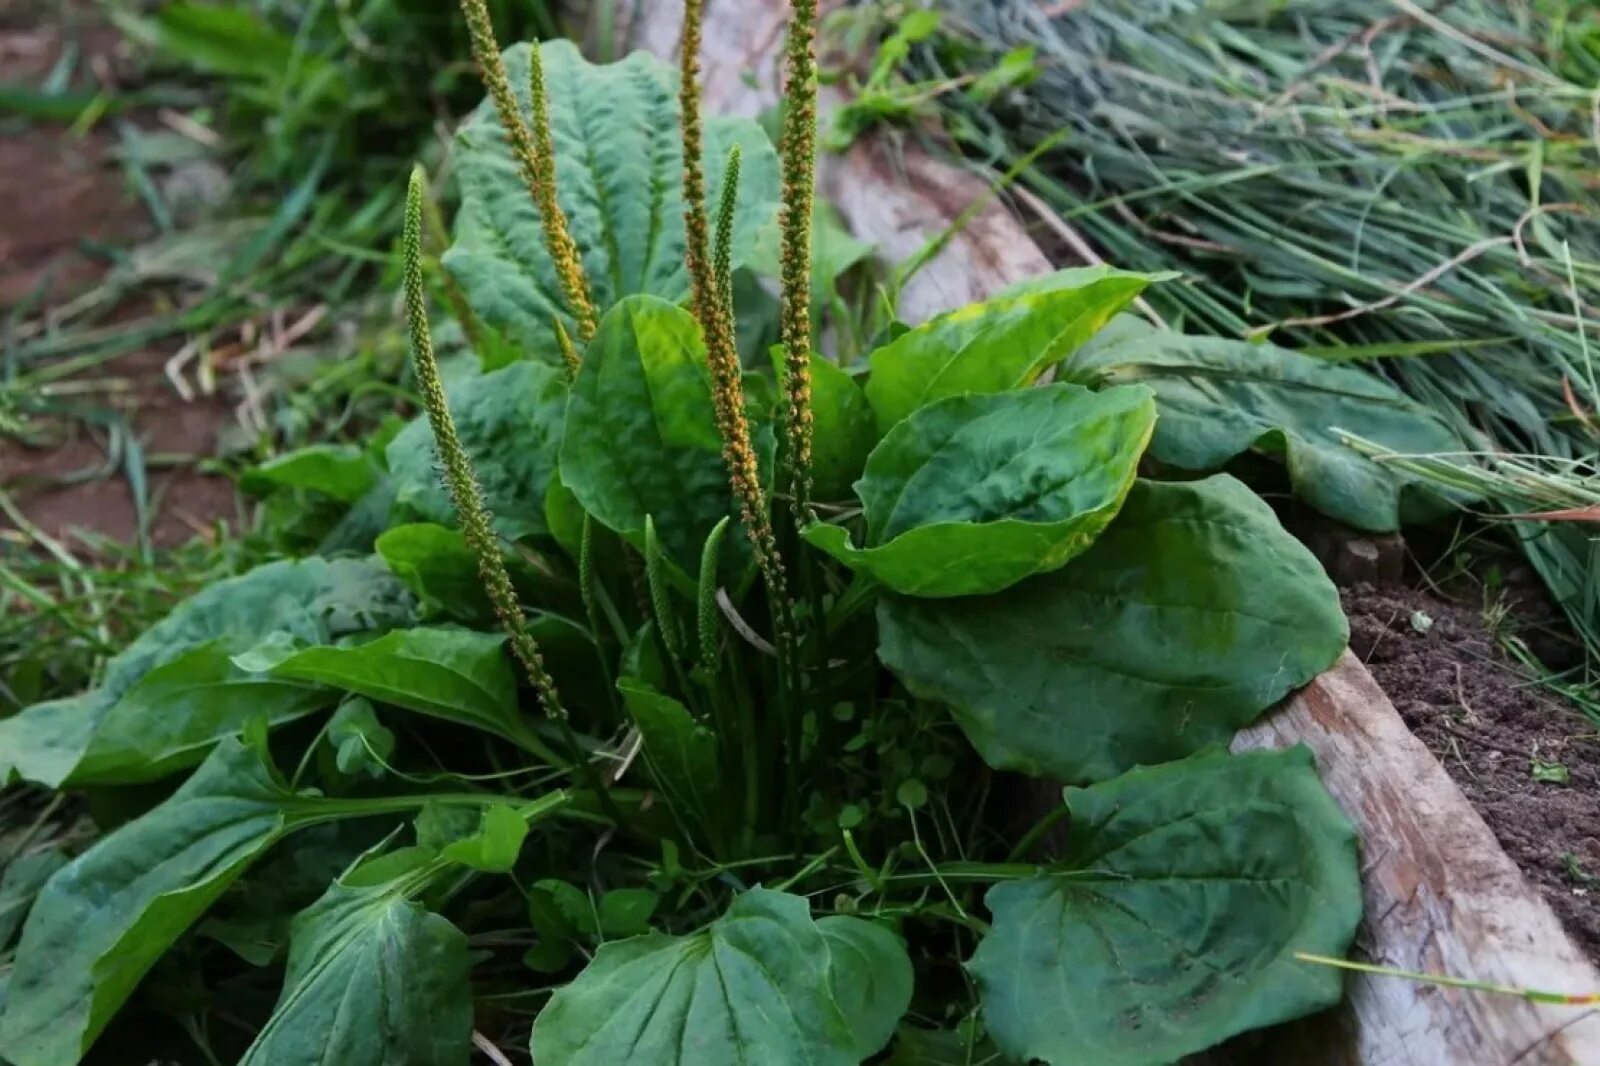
(63, 194)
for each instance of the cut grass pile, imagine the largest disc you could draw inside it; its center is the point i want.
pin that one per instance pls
(1412, 184)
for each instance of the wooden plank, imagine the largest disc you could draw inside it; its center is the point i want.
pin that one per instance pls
(897, 198)
(1441, 894)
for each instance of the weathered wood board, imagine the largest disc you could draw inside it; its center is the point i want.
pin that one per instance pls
(1441, 895)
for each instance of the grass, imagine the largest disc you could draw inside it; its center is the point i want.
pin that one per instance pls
(275, 291)
(1411, 186)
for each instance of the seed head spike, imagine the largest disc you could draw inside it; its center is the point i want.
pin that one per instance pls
(713, 306)
(569, 354)
(722, 257)
(458, 475)
(695, 223)
(799, 149)
(534, 151)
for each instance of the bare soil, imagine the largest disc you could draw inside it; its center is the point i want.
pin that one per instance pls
(1528, 761)
(62, 194)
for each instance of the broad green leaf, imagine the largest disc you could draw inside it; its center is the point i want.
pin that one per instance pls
(437, 565)
(997, 345)
(871, 978)
(627, 911)
(619, 169)
(1172, 919)
(312, 600)
(1219, 398)
(253, 917)
(641, 436)
(971, 494)
(438, 825)
(373, 980)
(341, 471)
(681, 752)
(361, 523)
(834, 250)
(1191, 614)
(560, 908)
(755, 986)
(361, 743)
(510, 424)
(571, 656)
(564, 515)
(939, 1047)
(176, 712)
(20, 883)
(459, 675)
(45, 741)
(643, 664)
(494, 847)
(104, 919)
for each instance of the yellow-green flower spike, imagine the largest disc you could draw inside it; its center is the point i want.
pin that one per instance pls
(707, 616)
(655, 569)
(459, 478)
(569, 354)
(717, 323)
(696, 225)
(722, 256)
(535, 157)
(798, 145)
(557, 236)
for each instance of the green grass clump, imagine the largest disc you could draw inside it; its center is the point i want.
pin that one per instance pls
(1411, 185)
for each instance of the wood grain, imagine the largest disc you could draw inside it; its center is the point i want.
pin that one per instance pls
(1441, 894)
(894, 196)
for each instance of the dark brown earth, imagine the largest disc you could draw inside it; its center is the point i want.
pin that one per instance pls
(60, 192)
(1528, 760)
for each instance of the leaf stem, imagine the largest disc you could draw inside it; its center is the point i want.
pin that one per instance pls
(1031, 838)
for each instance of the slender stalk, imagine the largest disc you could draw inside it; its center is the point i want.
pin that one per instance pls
(722, 352)
(799, 148)
(459, 478)
(535, 155)
(468, 499)
(695, 223)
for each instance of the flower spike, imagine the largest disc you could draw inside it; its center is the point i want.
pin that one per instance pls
(696, 225)
(535, 154)
(722, 257)
(458, 475)
(714, 308)
(569, 354)
(799, 148)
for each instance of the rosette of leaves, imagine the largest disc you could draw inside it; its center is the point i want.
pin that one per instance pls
(625, 793)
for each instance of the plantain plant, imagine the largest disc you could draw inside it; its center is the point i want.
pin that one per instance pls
(642, 718)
